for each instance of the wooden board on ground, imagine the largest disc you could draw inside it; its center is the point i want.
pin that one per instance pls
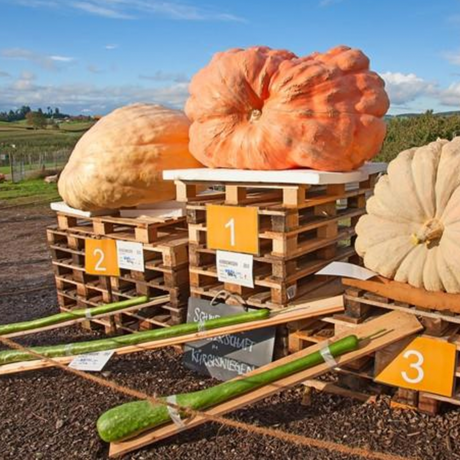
(398, 325)
(300, 312)
(403, 292)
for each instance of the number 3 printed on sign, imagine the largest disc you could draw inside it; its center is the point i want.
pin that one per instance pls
(417, 366)
(425, 364)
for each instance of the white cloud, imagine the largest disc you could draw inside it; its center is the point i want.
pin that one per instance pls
(42, 60)
(451, 95)
(81, 96)
(4, 74)
(452, 56)
(159, 75)
(133, 9)
(404, 88)
(97, 10)
(62, 58)
(94, 68)
(111, 46)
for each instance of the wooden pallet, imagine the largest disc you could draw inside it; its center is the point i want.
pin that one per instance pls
(140, 229)
(439, 313)
(166, 273)
(302, 228)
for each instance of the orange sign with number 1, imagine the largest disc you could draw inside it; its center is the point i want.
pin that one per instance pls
(101, 257)
(233, 228)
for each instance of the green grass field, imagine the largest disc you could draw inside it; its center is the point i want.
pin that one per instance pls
(29, 140)
(28, 191)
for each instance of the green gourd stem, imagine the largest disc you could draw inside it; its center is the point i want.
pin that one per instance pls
(112, 343)
(130, 419)
(69, 316)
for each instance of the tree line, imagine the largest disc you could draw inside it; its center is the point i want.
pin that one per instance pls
(415, 131)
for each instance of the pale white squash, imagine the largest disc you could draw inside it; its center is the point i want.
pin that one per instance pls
(411, 232)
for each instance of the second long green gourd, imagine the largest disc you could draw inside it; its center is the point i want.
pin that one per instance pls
(55, 351)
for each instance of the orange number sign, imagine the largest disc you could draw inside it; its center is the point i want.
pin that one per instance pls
(101, 257)
(425, 365)
(233, 228)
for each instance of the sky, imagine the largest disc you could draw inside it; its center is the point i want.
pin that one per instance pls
(91, 56)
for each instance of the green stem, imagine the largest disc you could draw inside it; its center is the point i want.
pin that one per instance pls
(69, 316)
(132, 418)
(112, 343)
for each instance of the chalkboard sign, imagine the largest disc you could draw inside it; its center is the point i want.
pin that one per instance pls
(227, 356)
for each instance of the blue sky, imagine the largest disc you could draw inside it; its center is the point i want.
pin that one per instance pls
(90, 56)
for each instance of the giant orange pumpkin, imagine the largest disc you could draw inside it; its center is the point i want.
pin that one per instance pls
(267, 109)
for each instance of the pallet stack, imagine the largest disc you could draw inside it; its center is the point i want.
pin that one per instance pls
(302, 228)
(165, 275)
(438, 312)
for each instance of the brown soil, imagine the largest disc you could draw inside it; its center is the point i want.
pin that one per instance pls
(51, 415)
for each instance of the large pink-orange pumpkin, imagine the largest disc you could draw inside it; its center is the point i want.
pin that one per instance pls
(268, 109)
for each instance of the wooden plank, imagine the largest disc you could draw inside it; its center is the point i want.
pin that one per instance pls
(398, 325)
(414, 311)
(329, 387)
(294, 176)
(403, 292)
(302, 311)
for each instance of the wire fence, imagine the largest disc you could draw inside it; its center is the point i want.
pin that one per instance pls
(22, 165)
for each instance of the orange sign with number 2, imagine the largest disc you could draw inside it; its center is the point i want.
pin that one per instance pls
(101, 257)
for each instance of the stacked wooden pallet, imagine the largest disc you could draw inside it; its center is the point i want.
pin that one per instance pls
(438, 312)
(165, 253)
(302, 228)
(306, 220)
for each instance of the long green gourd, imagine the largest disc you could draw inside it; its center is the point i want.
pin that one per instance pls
(130, 419)
(55, 351)
(68, 316)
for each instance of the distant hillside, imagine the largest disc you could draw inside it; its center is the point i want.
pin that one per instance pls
(411, 115)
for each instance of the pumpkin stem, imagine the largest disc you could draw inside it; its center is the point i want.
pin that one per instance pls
(431, 230)
(255, 114)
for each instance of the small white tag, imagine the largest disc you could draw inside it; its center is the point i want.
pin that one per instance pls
(174, 412)
(235, 268)
(347, 270)
(92, 362)
(130, 255)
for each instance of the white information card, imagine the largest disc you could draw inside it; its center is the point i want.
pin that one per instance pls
(130, 255)
(235, 268)
(93, 362)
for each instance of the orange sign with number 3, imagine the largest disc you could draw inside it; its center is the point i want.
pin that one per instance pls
(425, 365)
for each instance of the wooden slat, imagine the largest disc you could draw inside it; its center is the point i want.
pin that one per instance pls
(403, 292)
(303, 311)
(398, 325)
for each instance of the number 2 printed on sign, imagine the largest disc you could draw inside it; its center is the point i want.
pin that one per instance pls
(98, 266)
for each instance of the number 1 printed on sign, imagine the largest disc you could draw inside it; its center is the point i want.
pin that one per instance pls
(231, 225)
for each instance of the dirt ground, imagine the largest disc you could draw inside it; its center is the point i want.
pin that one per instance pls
(51, 415)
